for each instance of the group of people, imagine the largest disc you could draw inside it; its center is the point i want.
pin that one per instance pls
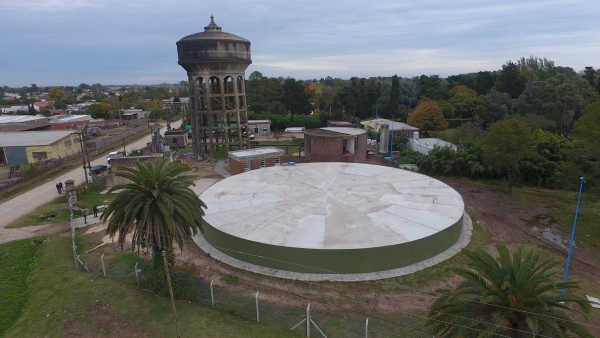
(85, 213)
(59, 187)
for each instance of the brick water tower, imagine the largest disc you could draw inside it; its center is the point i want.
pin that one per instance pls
(216, 62)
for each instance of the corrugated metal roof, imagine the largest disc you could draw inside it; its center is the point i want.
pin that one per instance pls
(32, 138)
(20, 118)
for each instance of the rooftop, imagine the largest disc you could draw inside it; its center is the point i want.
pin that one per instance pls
(331, 205)
(248, 154)
(32, 138)
(335, 131)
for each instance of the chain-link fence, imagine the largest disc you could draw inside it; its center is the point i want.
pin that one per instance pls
(276, 306)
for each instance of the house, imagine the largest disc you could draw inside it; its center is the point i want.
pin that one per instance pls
(335, 144)
(251, 159)
(37, 146)
(259, 127)
(176, 137)
(398, 128)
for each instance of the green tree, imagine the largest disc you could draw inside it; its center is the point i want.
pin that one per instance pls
(589, 74)
(462, 97)
(294, 97)
(57, 94)
(394, 97)
(428, 117)
(484, 82)
(536, 69)
(494, 106)
(157, 206)
(506, 145)
(509, 296)
(558, 100)
(510, 81)
(101, 110)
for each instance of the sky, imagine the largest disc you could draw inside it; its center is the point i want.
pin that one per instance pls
(68, 42)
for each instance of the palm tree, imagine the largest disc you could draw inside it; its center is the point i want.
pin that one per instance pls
(157, 206)
(508, 297)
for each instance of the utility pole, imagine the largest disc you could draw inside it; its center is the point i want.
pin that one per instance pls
(83, 155)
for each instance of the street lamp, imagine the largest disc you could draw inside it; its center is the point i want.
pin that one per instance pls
(573, 233)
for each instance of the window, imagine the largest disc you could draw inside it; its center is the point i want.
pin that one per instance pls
(174, 140)
(39, 154)
(263, 163)
(256, 130)
(246, 166)
(68, 144)
(277, 161)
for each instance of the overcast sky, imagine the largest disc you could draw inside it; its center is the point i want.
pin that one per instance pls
(67, 42)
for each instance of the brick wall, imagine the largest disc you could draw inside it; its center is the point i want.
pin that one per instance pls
(331, 149)
(237, 167)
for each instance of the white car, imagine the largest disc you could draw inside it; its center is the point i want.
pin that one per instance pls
(111, 155)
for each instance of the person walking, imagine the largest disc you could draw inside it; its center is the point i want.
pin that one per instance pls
(95, 211)
(85, 213)
(60, 187)
(57, 188)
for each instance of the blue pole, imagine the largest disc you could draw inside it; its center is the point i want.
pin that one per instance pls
(573, 233)
(376, 131)
(392, 144)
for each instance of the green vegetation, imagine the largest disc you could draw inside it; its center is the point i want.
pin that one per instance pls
(87, 196)
(158, 206)
(59, 294)
(17, 262)
(508, 296)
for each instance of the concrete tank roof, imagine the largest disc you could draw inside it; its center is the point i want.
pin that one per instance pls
(331, 206)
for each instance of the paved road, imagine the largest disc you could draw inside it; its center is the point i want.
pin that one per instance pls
(28, 201)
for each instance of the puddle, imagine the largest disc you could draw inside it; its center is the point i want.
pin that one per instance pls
(547, 225)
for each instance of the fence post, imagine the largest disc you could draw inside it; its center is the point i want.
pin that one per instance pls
(308, 321)
(367, 329)
(103, 267)
(212, 295)
(257, 317)
(137, 277)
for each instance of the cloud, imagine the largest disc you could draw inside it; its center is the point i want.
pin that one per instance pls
(69, 42)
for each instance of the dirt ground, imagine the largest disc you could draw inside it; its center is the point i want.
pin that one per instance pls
(499, 219)
(105, 324)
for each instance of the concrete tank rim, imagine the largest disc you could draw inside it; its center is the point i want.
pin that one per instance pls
(253, 231)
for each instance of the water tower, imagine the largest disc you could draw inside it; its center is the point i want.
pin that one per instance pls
(216, 62)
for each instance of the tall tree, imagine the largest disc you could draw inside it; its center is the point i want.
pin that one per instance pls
(535, 69)
(494, 106)
(510, 81)
(506, 145)
(394, 97)
(589, 74)
(484, 82)
(428, 117)
(462, 97)
(294, 97)
(508, 297)
(558, 99)
(158, 206)
(57, 94)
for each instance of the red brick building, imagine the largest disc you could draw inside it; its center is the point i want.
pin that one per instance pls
(335, 144)
(250, 159)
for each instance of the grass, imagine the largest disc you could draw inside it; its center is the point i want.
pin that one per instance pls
(17, 261)
(444, 135)
(59, 293)
(561, 206)
(60, 207)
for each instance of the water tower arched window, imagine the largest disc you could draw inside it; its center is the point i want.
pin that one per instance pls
(215, 85)
(201, 84)
(229, 85)
(240, 84)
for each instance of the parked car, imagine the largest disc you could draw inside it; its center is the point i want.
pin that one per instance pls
(98, 169)
(111, 155)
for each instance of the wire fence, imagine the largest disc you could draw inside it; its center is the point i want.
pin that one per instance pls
(275, 306)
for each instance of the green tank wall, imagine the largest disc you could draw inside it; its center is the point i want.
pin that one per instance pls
(320, 261)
